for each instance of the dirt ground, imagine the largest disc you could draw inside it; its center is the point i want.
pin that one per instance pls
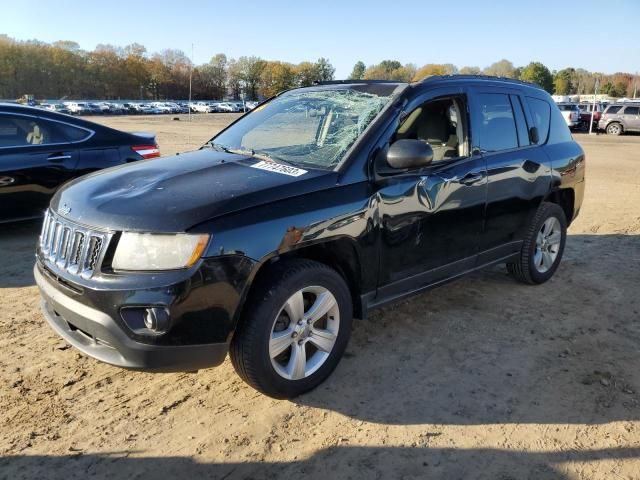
(482, 378)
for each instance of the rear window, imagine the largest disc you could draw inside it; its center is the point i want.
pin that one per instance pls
(567, 108)
(613, 109)
(631, 110)
(541, 113)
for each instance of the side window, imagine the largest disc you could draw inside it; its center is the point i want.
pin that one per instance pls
(19, 131)
(11, 132)
(69, 133)
(541, 113)
(442, 123)
(631, 110)
(613, 109)
(521, 121)
(497, 128)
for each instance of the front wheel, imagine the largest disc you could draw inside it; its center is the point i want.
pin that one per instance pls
(542, 247)
(296, 326)
(614, 129)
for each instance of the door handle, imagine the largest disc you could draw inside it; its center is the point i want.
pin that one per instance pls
(471, 178)
(58, 157)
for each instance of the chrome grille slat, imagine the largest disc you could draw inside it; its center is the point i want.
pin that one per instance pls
(76, 249)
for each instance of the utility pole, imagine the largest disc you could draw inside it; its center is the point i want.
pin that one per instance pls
(593, 112)
(190, 78)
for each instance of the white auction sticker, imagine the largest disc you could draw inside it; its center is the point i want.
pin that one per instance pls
(279, 168)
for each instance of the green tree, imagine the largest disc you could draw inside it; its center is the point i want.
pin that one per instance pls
(563, 81)
(325, 70)
(390, 70)
(470, 71)
(431, 69)
(306, 74)
(276, 77)
(503, 68)
(358, 71)
(537, 73)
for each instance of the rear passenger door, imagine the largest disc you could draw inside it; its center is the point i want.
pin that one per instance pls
(631, 116)
(518, 171)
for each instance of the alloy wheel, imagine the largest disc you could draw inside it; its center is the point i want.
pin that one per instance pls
(304, 333)
(547, 244)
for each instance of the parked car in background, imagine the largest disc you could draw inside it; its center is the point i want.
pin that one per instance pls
(56, 107)
(40, 150)
(227, 107)
(571, 114)
(619, 118)
(365, 193)
(596, 108)
(77, 108)
(200, 107)
(161, 107)
(149, 109)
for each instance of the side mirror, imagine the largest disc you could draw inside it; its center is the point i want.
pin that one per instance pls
(533, 135)
(409, 153)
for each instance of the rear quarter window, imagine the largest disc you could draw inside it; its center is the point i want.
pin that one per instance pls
(559, 130)
(613, 109)
(541, 114)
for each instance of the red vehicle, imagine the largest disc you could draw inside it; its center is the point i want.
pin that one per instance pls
(586, 110)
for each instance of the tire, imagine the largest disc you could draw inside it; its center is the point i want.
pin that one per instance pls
(614, 128)
(275, 329)
(543, 246)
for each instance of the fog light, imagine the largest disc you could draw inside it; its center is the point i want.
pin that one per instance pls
(157, 319)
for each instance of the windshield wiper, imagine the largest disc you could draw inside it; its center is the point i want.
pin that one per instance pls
(249, 152)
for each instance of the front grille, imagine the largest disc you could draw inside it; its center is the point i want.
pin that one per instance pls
(76, 249)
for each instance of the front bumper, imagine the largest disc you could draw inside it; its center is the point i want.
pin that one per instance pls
(92, 322)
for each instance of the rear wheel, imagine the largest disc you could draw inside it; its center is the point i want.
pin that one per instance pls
(295, 330)
(614, 129)
(543, 246)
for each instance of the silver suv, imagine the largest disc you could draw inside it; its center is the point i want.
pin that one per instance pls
(621, 117)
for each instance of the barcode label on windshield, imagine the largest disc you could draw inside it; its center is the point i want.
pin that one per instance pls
(279, 168)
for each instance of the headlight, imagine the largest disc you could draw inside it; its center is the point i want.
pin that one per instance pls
(151, 251)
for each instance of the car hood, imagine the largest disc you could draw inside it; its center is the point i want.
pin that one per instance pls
(172, 194)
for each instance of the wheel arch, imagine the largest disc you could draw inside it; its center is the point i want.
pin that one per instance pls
(340, 254)
(566, 199)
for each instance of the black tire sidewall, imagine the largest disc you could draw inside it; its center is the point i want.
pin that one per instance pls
(551, 210)
(264, 314)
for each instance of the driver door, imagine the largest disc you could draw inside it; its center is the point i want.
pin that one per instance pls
(431, 220)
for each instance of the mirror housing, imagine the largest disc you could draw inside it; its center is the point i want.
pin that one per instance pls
(409, 153)
(533, 135)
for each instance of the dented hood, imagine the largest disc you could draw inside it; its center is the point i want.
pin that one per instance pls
(172, 194)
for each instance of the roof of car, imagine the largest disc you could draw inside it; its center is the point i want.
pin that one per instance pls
(436, 79)
(478, 78)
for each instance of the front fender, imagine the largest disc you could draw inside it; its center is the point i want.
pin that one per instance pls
(261, 233)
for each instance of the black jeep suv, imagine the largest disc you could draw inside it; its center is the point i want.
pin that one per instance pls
(320, 204)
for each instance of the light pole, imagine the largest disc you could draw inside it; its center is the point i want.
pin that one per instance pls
(593, 111)
(190, 77)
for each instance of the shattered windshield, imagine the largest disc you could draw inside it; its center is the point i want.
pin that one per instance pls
(311, 128)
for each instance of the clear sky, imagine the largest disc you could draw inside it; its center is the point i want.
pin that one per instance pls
(474, 33)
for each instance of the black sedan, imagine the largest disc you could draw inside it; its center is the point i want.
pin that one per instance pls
(40, 150)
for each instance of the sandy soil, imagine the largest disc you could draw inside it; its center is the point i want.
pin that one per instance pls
(482, 378)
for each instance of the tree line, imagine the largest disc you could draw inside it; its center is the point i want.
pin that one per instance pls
(62, 70)
(568, 81)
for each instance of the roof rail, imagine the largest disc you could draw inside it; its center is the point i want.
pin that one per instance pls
(477, 77)
(340, 82)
